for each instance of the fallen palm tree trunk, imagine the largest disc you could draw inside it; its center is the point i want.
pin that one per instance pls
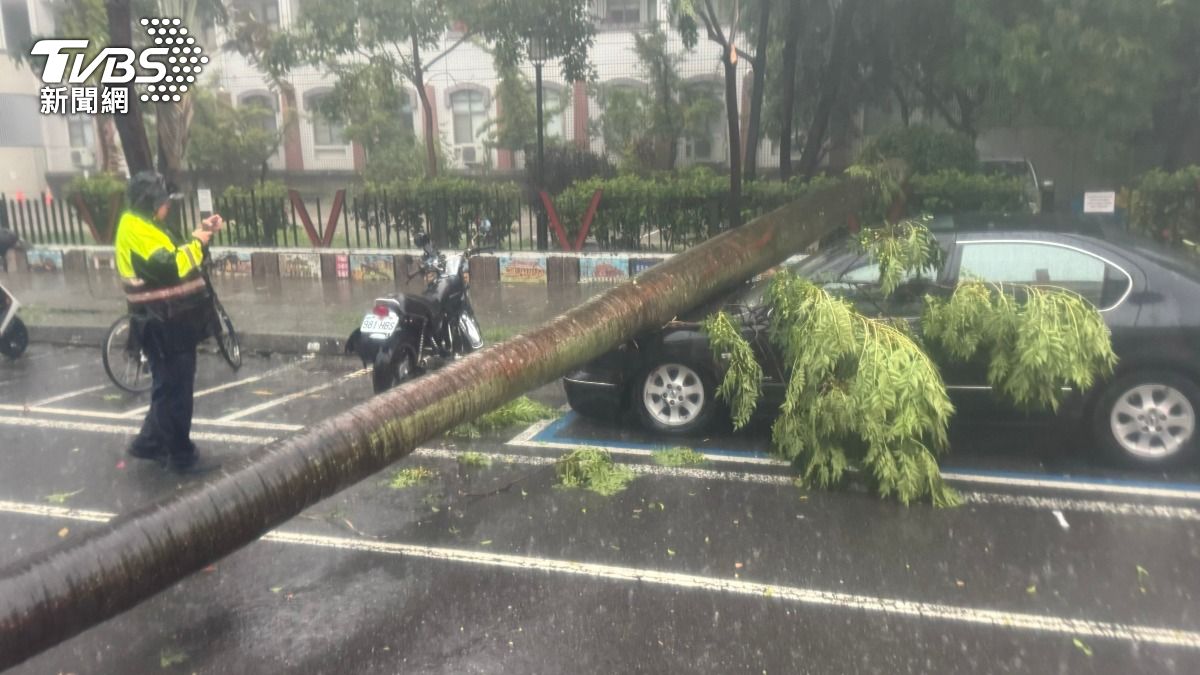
(54, 595)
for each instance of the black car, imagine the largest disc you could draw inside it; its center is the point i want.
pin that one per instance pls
(1150, 299)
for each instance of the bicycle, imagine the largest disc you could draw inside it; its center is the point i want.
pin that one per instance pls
(126, 363)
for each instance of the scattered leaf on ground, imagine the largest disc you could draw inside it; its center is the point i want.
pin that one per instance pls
(1032, 590)
(121, 464)
(593, 469)
(960, 583)
(276, 589)
(62, 497)
(486, 542)
(406, 478)
(474, 459)
(169, 657)
(112, 397)
(1083, 647)
(671, 552)
(63, 533)
(678, 457)
(521, 410)
(738, 565)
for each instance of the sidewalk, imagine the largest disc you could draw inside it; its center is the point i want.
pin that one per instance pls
(275, 314)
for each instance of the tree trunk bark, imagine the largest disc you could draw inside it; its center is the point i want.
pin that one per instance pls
(174, 119)
(757, 92)
(789, 91)
(831, 84)
(131, 126)
(431, 164)
(735, 139)
(80, 582)
(110, 151)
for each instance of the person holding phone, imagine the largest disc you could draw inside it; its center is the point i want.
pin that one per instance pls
(171, 312)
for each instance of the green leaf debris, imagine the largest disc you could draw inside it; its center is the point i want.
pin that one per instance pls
(592, 469)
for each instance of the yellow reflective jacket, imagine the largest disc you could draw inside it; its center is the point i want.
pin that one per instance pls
(147, 257)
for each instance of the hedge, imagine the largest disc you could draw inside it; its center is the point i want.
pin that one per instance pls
(255, 215)
(950, 190)
(1166, 206)
(99, 192)
(441, 205)
(682, 208)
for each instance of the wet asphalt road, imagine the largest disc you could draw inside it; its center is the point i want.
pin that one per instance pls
(1053, 565)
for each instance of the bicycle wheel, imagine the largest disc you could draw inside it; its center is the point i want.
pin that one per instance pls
(125, 363)
(227, 339)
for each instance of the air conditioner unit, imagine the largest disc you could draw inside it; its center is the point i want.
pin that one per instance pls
(83, 158)
(468, 155)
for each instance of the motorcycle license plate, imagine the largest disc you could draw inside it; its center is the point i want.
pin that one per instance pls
(379, 326)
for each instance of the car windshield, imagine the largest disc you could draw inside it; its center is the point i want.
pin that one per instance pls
(821, 268)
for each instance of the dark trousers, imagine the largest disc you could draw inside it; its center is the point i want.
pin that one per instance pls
(171, 349)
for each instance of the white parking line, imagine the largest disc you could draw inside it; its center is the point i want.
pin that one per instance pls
(246, 412)
(91, 427)
(102, 414)
(870, 604)
(230, 385)
(70, 394)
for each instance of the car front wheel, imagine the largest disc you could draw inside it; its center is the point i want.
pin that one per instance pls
(1149, 419)
(674, 398)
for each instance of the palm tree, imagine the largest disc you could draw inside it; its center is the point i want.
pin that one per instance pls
(85, 580)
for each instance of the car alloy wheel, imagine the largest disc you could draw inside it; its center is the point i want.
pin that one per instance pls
(673, 395)
(1152, 421)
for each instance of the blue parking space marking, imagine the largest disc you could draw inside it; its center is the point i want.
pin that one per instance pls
(556, 434)
(553, 434)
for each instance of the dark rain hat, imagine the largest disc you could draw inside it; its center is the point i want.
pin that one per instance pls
(147, 191)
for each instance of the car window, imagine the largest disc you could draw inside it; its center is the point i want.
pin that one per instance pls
(1044, 264)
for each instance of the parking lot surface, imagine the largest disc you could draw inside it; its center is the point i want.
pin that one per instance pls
(1053, 564)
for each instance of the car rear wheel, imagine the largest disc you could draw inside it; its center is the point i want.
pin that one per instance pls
(1148, 419)
(674, 398)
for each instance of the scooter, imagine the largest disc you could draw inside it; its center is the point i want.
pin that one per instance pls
(406, 334)
(14, 337)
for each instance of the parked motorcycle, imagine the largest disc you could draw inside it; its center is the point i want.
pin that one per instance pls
(407, 334)
(14, 337)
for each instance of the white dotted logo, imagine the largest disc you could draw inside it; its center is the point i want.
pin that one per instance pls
(185, 62)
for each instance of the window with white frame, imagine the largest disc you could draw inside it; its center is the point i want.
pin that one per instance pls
(407, 120)
(554, 106)
(469, 111)
(263, 11)
(18, 33)
(623, 12)
(81, 131)
(327, 131)
(704, 127)
(266, 120)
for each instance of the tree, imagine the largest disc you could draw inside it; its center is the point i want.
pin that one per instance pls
(398, 36)
(130, 126)
(788, 102)
(689, 15)
(762, 41)
(865, 392)
(665, 113)
(231, 145)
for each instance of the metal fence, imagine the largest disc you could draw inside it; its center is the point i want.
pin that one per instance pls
(379, 221)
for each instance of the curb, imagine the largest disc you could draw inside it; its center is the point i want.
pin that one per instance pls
(258, 343)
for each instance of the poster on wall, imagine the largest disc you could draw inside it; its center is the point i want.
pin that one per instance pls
(372, 267)
(639, 265)
(232, 263)
(603, 269)
(522, 270)
(300, 265)
(44, 260)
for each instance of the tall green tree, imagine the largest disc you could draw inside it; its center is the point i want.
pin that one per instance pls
(230, 145)
(720, 27)
(408, 37)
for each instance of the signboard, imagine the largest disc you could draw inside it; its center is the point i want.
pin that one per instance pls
(1099, 202)
(204, 202)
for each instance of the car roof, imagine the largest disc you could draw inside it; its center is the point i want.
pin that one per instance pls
(1023, 222)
